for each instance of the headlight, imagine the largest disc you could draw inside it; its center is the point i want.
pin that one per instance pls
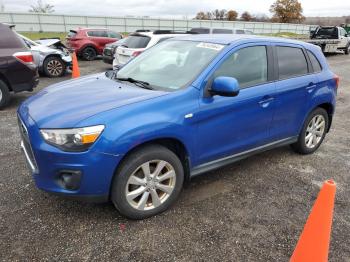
(76, 139)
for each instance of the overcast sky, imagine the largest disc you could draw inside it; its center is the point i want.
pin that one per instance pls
(175, 8)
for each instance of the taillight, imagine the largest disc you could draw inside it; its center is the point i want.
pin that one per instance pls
(24, 57)
(136, 53)
(336, 79)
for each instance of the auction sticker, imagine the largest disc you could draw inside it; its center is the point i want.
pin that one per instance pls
(216, 47)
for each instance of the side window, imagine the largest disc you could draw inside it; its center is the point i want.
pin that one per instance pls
(240, 32)
(222, 31)
(112, 34)
(248, 65)
(97, 33)
(291, 62)
(91, 33)
(342, 32)
(314, 61)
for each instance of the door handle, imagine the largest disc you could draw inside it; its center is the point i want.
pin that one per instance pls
(265, 102)
(311, 87)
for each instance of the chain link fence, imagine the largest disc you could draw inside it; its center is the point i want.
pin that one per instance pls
(33, 22)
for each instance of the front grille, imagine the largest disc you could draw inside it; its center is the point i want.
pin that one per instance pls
(27, 148)
(107, 52)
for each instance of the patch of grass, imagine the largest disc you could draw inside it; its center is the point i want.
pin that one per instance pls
(37, 36)
(288, 35)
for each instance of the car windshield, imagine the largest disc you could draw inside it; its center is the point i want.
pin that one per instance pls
(172, 64)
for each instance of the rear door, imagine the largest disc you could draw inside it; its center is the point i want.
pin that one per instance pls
(294, 82)
(100, 38)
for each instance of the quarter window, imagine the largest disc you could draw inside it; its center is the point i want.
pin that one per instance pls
(291, 62)
(112, 34)
(222, 31)
(248, 65)
(314, 61)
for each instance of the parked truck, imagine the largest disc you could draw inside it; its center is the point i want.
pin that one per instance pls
(331, 39)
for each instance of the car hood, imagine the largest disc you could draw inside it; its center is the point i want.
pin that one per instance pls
(65, 104)
(48, 42)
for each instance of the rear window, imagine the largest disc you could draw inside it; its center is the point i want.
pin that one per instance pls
(136, 41)
(291, 62)
(222, 31)
(97, 33)
(9, 39)
(240, 32)
(71, 34)
(314, 61)
(327, 32)
(200, 30)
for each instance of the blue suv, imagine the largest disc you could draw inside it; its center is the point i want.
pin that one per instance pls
(182, 108)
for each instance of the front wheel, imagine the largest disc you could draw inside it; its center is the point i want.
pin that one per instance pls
(313, 132)
(347, 50)
(147, 182)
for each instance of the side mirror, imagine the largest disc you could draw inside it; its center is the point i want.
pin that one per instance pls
(224, 86)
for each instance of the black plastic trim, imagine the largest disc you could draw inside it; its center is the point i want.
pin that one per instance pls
(236, 157)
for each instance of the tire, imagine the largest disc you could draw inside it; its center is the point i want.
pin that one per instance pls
(4, 94)
(89, 53)
(313, 130)
(347, 50)
(131, 177)
(54, 67)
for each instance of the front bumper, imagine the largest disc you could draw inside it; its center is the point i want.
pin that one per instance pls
(48, 163)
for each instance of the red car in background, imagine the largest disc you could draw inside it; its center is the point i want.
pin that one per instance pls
(89, 42)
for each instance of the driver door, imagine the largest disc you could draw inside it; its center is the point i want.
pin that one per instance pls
(230, 125)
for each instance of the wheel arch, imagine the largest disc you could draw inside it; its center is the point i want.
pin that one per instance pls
(3, 78)
(330, 111)
(173, 144)
(88, 45)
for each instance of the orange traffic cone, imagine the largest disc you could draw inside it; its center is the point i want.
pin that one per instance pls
(314, 241)
(75, 66)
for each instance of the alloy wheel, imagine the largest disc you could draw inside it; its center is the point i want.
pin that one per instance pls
(0, 95)
(315, 131)
(54, 67)
(150, 185)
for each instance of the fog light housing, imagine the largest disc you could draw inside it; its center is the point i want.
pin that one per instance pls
(69, 179)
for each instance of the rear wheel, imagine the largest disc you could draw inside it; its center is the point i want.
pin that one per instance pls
(313, 132)
(4, 94)
(54, 67)
(89, 53)
(147, 182)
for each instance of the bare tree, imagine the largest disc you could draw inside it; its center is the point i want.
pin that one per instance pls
(246, 16)
(41, 7)
(219, 14)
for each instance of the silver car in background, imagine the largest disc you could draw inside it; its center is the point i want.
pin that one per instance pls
(50, 55)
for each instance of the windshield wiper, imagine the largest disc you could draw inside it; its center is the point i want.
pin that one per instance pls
(139, 83)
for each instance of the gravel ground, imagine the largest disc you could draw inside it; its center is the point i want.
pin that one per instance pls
(253, 210)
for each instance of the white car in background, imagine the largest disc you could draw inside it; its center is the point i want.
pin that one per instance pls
(207, 30)
(138, 42)
(50, 55)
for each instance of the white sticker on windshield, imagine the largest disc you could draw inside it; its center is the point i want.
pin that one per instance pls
(216, 47)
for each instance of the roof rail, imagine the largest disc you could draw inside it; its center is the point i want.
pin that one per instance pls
(162, 32)
(142, 30)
